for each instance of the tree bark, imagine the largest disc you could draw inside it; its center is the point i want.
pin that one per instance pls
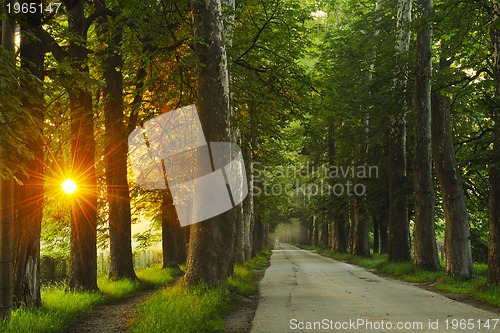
(494, 172)
(120, 232)
(315, 230)
(398, 242)
(338, 205)
(248, 204)
(28, 198)
(361, 247)
(170, 228)
(83, 251)
(457, 234)
(210, 258)
(325, 235)
(425, 248)
(6, 204)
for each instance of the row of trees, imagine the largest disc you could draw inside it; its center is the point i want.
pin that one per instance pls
(412, 88)
(82, 78)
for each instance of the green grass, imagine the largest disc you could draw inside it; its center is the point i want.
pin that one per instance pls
(185, 309)
(61, 308)
(242, 280)
(477, 287)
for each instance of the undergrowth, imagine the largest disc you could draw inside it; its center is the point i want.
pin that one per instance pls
(184, 309)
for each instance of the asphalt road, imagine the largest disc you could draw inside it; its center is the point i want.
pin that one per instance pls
(305, 292)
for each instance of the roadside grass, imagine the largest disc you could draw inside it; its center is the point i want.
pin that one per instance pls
(61, 308)
(184, 309)
(477, 287)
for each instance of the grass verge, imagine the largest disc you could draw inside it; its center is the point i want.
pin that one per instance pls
(61, 308)
(183, 309)
(478, 287)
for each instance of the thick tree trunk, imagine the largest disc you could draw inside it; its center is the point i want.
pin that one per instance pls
(398, 242)
(29, 196)
(494, 172)
(83, 251)
(210, 257)
(457, 234)
(6, 241)
(120, 234)
(170, 229)
(425, 248)
(6, 205)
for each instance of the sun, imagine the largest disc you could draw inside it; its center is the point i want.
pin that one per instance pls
(69, 186)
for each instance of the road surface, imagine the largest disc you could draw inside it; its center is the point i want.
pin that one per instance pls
(305, 292)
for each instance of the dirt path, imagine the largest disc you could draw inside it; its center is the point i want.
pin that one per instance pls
(113, 317)
(241, 318)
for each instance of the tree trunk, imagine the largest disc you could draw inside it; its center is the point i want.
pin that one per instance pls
(28, 198)
(323, 239)
(383, 228)
(210, 258)
(120, 234)
(339, 231)
(83, 251)
(315, 230)
(494, 172)
(425, 248)
(248, 205)
(6, 204)
(457, 234)
(171, 230)
(361, 246)
(398, 242)
(339, 209)
(239, 237)
(376, 233)
(6, 240)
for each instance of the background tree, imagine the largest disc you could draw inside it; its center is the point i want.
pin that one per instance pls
(426, 254)
(398, 242)
(83, 257)
(116, 148)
